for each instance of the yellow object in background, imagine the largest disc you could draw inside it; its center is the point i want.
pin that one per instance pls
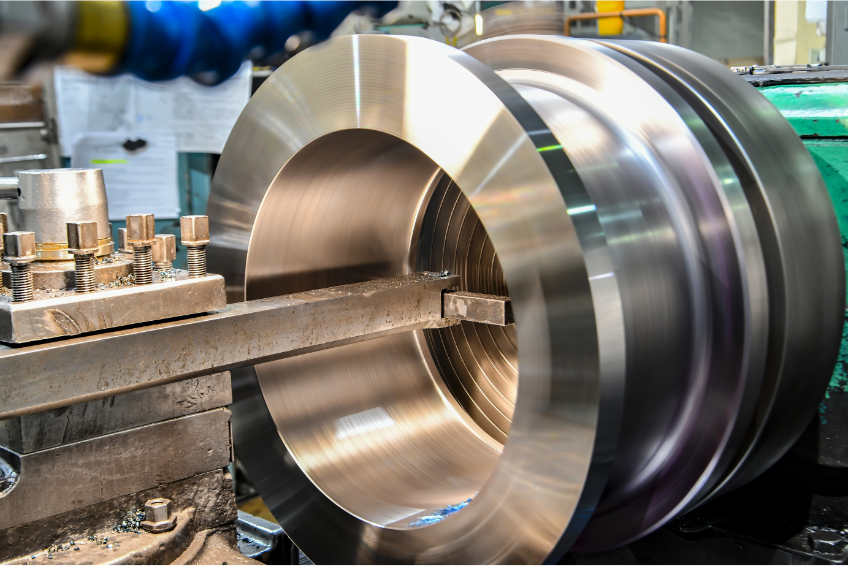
(610, 26)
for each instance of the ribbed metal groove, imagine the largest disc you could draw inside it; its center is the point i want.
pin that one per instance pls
(142, 265)
(196, 261)
(479, 362)
(21, 283)
(84, 273)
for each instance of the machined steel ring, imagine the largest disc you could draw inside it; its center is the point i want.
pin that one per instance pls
(594, 184)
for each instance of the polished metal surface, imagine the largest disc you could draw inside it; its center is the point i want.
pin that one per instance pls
(607, 192)
(325, 179)
(50, 198)
(799, 236)
(59, 313)
(59, 373)
(477, 307)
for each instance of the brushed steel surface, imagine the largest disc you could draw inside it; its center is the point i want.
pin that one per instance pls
(75, 475)
(324, 179)
(49, 429)
(58, 313)
(59, 373)
(607, 192)
(50, 198)
(800, 239)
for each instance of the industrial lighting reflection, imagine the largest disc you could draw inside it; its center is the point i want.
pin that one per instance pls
(206, 5)
(478, 24)
(549, 148)
(366, 421)
(581, 209)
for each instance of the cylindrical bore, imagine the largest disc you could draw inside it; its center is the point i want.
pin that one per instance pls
(632, 254)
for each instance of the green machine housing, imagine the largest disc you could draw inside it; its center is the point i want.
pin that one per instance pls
(814, 99)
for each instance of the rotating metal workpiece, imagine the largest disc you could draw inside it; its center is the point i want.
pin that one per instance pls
(668, 246)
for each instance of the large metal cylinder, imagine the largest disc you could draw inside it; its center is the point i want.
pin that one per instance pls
(670, 250)
(50, 198)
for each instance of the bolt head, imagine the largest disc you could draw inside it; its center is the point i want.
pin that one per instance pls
(82, 237)
(194, 230)
(123, 244)
(158, 516)
(827, 541)
(164, 247)
(157, 510)
(19, 247)
(141, 229)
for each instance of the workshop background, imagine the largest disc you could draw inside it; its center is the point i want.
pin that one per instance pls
(149, 92)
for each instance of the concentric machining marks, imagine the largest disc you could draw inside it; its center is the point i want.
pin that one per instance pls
(589, 184)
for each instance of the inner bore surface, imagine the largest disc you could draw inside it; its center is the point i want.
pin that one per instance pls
(479, 362)
(371, 424)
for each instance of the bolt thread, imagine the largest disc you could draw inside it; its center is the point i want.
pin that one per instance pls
(21, 283)
(84, 273)
(162, 265)
(196, 261)
(142, 265)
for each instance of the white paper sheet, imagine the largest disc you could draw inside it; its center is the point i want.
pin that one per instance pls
(200, 117)
(140, 181)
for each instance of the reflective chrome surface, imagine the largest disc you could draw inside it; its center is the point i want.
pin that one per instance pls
(589, 187)
(347, 141)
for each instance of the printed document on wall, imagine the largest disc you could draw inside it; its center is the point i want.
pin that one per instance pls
(139, 170)
(201, 117)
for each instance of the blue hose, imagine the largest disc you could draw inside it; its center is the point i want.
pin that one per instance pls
(171, 39)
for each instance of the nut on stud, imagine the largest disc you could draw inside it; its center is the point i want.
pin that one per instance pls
(164, 251)
(4, 227)
(82, 244)
(19, 253)
(141, 229)
(158, 516)
(141, 233)
(123, 245)
(195, 235)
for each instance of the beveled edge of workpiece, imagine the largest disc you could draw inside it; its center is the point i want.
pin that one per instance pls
(73, 314)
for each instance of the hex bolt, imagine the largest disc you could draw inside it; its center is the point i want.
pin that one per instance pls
(4, 227)
(829, 542)
(19, 249)
(164, 251)
(82, 244)
(195, 236)
(158, 516)
(123, 245)
(141, 233)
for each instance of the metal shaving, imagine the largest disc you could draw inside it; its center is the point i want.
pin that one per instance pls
(131, 523)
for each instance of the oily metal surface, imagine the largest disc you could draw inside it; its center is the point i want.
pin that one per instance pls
(686, 252)
(325, 178)
(800, 239)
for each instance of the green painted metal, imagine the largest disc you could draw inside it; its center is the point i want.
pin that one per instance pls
(819, 110)
(819, 114)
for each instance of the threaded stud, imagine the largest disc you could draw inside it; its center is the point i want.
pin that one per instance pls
(196, 261)
(142, 265)
(84, 273)
(21, 283)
